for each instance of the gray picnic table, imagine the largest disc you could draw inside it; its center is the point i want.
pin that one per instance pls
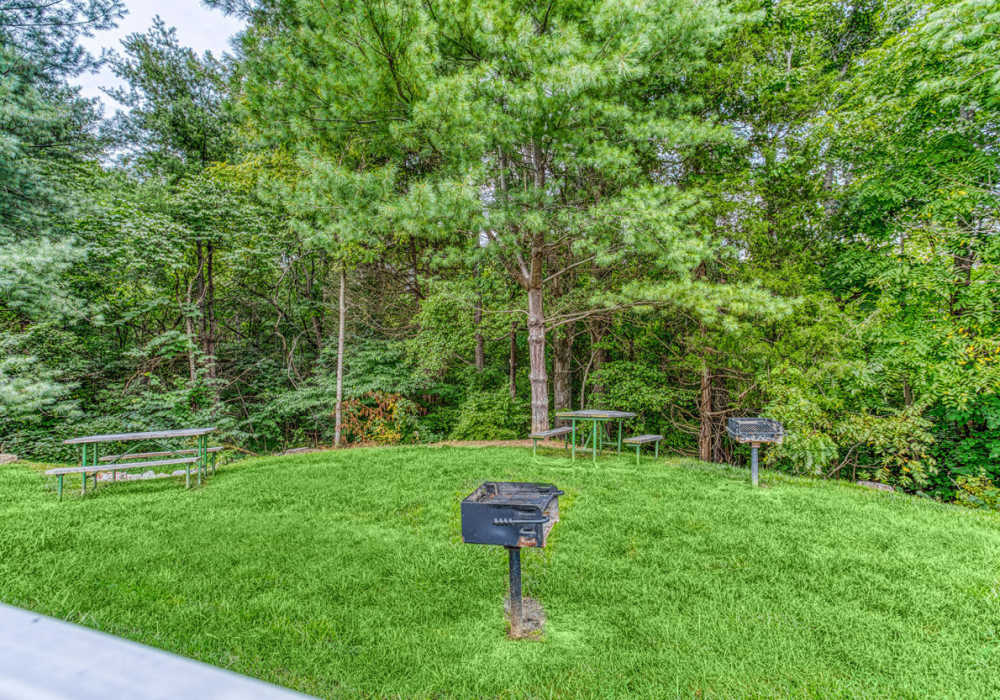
(89, 458)
(594, 416)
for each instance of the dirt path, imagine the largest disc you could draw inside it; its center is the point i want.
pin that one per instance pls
(445, 443)
(495, 443)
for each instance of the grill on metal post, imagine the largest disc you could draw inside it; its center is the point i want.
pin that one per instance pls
(512, 515)
(755, 431)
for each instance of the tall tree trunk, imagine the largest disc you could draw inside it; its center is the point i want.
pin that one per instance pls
(316, 316)
(477, 319)
(562, 355)
(829, 202)
(536, 362)
(705, 416)
(536, 313)
(192, 338)
(512, 361)
(210, 318)
(414, 275)
(596, 329)
(199, 288)
(339, 408)
(720, 401)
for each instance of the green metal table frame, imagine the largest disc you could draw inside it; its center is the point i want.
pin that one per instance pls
(596, 437)
(94, 441)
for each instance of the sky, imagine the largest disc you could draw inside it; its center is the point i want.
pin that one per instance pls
(197, 26)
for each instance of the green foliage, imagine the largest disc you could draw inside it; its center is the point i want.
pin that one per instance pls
(378, 366)
(968, 442)
(29, 394)
(381, 419)
(722, 209)
(977, 491)
(491, 415)
(177, 117)
(46, 128)
(646, 391)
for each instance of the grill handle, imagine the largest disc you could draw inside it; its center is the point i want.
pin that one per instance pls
(520, 521)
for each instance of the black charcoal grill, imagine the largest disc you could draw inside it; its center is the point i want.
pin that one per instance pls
(755, 431)
(512, 515)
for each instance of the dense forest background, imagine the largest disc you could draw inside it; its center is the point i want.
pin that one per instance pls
(462, 215)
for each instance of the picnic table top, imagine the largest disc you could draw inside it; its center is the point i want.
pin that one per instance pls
(154, 435)
(595, 414)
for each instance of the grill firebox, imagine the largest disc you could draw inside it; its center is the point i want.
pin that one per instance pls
(512, 515)
(755, 431)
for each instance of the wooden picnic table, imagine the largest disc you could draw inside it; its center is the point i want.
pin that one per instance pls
(594, 416)
(89, 458)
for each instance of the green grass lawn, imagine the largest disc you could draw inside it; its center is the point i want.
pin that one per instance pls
(344, 574)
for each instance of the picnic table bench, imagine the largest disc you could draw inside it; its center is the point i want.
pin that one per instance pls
(546, 434)
(91, 463)
(640, 440)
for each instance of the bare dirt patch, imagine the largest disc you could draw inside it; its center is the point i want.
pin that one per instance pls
(532, 622)
(494, 443)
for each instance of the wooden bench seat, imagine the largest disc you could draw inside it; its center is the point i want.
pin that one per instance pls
(554, 432)
(640, 440)
(546, 434)
(93, 469)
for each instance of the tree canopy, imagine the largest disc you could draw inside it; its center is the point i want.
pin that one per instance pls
(408, 220)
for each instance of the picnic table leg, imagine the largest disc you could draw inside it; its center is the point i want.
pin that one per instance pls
(187, 475)
(656, 450)
(60, 486)
(593, 444)
(574, 439)
(619, 437)
(83, 463)
(637, 454)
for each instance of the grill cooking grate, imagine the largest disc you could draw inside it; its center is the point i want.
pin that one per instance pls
(755, 430)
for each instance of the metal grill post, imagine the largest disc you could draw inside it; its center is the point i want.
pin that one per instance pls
(753, 462)
(516, 613)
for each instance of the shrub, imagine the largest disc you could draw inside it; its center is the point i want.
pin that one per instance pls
(491, 415)
(380, 418)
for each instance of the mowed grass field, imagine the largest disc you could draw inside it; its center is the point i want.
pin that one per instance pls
(344, 574)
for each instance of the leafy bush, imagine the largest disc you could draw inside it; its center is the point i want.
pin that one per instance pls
(491, 415)
(977, 492)
(967, 445)
(380, 418)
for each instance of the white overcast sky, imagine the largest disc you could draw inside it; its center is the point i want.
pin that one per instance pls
(197, 26)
